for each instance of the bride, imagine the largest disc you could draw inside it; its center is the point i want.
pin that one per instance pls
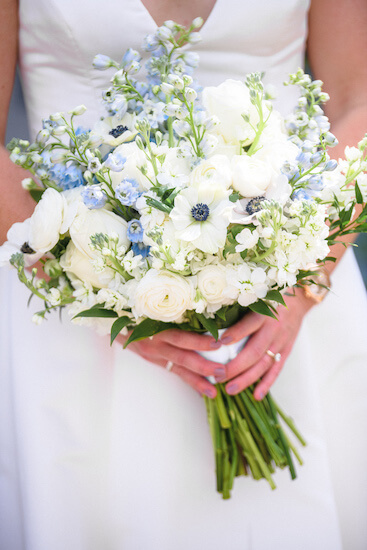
(100, 449)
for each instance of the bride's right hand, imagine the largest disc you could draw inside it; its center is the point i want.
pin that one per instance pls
(179, 348)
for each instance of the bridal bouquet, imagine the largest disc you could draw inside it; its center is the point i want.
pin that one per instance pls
(187, 208)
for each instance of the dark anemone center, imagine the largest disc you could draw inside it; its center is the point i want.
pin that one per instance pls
(254, 205)
(26, 249)
(116, 132)
(200, 212)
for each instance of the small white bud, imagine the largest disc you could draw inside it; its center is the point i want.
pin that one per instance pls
(37, 318)
(56, 117)
(57, 155)
(190, 95)
(58, 130)
(28, 184)
(79, 110)
(43, 136)
(167, 88)
(197, 22)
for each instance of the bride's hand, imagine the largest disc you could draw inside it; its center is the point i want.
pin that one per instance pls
(180, 347)
(278, 336)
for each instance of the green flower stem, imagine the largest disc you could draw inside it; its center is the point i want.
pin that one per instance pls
(289, 422)
(282, 437)
(262, 467)
(221, 408)
(274, 449)
(170, 132)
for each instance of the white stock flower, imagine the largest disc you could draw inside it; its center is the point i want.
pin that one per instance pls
(201, 216)
(163, 296)
(246, 284)
(246, 239)
(215, 170)
(212, 282)
(228, 102)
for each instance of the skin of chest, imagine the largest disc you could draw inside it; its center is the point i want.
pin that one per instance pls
(181, 11)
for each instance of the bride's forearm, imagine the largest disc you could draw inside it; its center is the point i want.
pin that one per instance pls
(16, 204)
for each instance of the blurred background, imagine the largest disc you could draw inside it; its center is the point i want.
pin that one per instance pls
(17, 127)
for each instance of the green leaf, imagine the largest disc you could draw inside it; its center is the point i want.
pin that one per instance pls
(234, 197)
(221, 314)
(261, 307)
(209, 324)
(36, 194)
(275, 296)
(118, 325)
(148, 327)
(97, 311)
(359, 195)
(158, 205)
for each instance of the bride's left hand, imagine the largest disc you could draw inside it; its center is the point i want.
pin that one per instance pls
(278, 336)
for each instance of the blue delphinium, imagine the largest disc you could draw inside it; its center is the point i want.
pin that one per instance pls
(140, 249)
(66, 177)
(93, 196)
(127, 192)
(135, 231)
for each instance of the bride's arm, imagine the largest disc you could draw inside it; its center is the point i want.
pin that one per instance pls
(15, 204)
(337, 48)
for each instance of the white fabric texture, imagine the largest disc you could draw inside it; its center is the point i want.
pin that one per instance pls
(99, 448)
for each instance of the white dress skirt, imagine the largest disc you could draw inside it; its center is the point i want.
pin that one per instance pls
(100, 449)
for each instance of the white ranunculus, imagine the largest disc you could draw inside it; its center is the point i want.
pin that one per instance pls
(274, 129)
(276, 153)
(79, 264)
(212, 282)
(89, 222)
(135, 159)
(251, 177)
(47, 220)
(228, 102)
(216, 170)
(163, 296)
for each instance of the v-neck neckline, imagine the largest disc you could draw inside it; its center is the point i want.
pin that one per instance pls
(153, 23)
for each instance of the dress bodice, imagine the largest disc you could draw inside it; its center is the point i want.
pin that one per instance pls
(59, 38)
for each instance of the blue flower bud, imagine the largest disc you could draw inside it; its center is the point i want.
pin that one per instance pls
(330, 165)
(135, 231)
(93, 196)
(102, 62)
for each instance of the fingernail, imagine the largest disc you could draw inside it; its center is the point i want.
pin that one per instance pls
(209, 392)
(226, 340)
(220, 373)
(232, 388)
(215, 345)
(260, 396)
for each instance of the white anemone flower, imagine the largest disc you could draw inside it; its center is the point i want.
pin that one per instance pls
(18, 241)
(201, 216)
(115, 130)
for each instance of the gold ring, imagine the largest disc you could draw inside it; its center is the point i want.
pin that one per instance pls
(276, 356)
(169, 366)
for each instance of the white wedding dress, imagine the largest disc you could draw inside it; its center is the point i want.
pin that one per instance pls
(101, 450)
